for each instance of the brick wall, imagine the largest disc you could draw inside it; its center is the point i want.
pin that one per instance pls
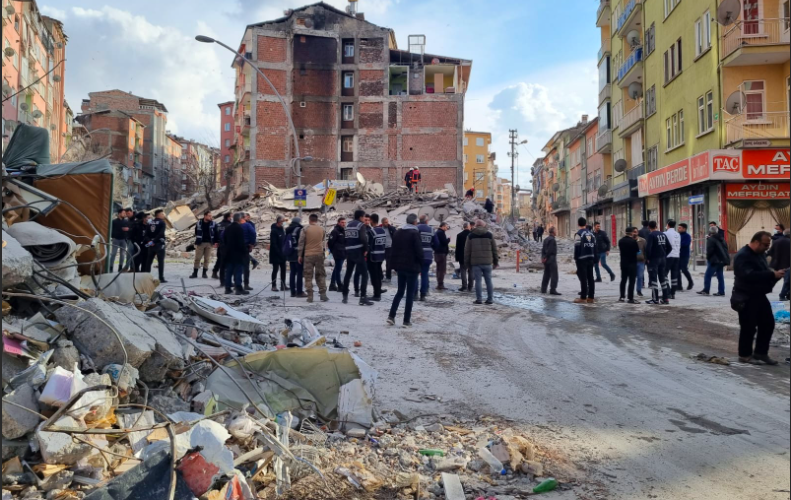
(314, 115)
(392, 147)
(372, 83)
(312, 175)
(271, 49)
(371, 50)
(371, 115)
(437, 177)
(315, 50)
(278, 79)
(373, 174)
(433, 147)
(320, 147)
(270, 114)
(392, 115)
(315, 82)
(274, 175)
(430, 114)
(113, 99)
(270, 147)
(371, 147)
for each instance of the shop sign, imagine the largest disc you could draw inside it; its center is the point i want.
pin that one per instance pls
(699, 199)
(667, 179)
(623, 191)
(699, 168)
(766, 163)
(758, 191)
(757, 143)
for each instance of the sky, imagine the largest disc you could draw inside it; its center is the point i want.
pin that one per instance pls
(534, 62)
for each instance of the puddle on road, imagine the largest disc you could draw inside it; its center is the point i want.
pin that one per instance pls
(554, 308)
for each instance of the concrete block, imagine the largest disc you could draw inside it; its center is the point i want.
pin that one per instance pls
(16, 421)
(59, 447)
(17, 262)
(12, 366)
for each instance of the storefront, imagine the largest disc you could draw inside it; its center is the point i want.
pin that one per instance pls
(624, 215)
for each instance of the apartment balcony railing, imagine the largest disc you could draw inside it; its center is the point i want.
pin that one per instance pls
(605, 93)
(631, 118)
(625, 17)
(605, 48)
(603, 13)
(604, 141)
(617, 114)
(758, 33)
(631, 62)
(757, 126)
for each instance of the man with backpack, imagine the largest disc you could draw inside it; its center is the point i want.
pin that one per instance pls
(441, 247)
(291, 251)
(356, 237)
(336, 244)
(585, 256)
(311, 257)
(603, 247)
(377, 241)
(426, 238)
(657, 249)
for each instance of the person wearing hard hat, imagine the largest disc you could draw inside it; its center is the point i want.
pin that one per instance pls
(408, 179)
(416, 178)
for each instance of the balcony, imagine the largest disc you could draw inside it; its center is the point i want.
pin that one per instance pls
(631, 121)
(605, 93)
(757, 127)
(246, 126)
(630, 19)
(604, 142)
(603, 14)
(631, 70)
(748, 43)
(605, 49)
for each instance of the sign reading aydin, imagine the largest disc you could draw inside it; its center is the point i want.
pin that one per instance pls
(758, 191)
(720, 165)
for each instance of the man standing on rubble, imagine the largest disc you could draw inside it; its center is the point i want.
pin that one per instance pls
(441, 251)
(426, 238)
(356, 253)
(336, 244)
(416, 179)
(311, 257)
(156, 243)
(481, 253)
(293, 233)
(408, 262)
(277, 258)
(464, 268)
(390, 232)
(236, 254)
(408, 179)
(377, 238)
(252, 239)
(205, 241)
(120, 235)
(219, 265)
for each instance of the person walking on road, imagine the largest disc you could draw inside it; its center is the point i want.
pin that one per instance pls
(219, 266)
(540, 232)
(277, 236)
(408, 263)
(585, 256)
(685, 255)
(311, 257)
(356, 239)
(481, 253)
(236, 255)
(464, 269)
(657, 249)
(754, 281)
(549, 257)
(120, 241)
(441, 251)
(205, 242)
(296, 269)
(427, 238)
(155, 242)
(377, 249)
(781, 258)
(336, 244)
(629, 251)
(717, 258)
(641, 243)
(719, 229)
(674, 257)
(389, 233)
(604, 245)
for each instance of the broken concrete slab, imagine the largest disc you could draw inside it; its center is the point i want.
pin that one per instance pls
(12, 366)
(181, 218)
(453, 487)
(16, 421)
(126, 287)
(223, 314)
(17, 262)
(65, 355)
(59, 447)
(150, 345)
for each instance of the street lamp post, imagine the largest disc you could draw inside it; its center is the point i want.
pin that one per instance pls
(297, 158)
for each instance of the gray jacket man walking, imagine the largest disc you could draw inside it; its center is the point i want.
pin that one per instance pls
(549, 257)
(481, 254)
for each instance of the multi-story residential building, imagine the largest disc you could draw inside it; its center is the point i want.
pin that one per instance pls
(227, 142)
(199, 166)
(501, 196)
(358, 102)
(173, 154)
(153, 115)
(33, 61)
(479, 172)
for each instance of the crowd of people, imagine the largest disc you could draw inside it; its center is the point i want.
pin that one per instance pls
(138, 239)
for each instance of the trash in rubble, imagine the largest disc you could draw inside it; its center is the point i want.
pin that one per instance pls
(360, 477)
(495, 466)
(126, 287)
(35, 375)
(225, 315)
(124, 376)
(302, 333)
(550, 484)
(211, 437)
(717, 360)
(58, 389)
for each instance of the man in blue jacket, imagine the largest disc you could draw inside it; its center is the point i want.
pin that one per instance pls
(686, 253)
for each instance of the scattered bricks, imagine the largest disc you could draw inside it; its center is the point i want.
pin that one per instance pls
(278, 79)
(272, 49)
(429, 147)
(371, 115)
(17, 262)
(314, 82)
(371, 50)
(315, 114)
(431, 114)
(371, 148)
(16, 421)
(59, 447)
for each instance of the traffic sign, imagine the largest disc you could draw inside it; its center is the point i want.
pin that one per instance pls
(697, 200)
(300, 198)
(329, 198)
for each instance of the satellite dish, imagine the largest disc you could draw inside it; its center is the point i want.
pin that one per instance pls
(10, 10)
(633, 38)
(441, 214)
(56, 78)
(728, 12)
(59, 45)
(635, 90)
(9, 51)
(37, 114)
(556, 187)
(428, 211)
(620, 165)
(603, 189)
(24, 106)
(309, 23)
(6, 88)
(733, 105)
(360, 179)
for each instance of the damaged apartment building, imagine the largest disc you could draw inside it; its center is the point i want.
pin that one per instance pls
(359, 103)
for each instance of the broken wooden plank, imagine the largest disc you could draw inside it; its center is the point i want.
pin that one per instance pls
(453, 488)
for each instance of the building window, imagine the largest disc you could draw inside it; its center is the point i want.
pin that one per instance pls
(465, 158)
(227, 158)
(479, 142)
(706, 113)
(670, 5)
(673, 61)
(228, 111)
(652, 160)
(348, 112)
(466, 141)
(227, 143)
(755, 99)
(348, 80)
(650, 101)
(703, 34)
(348, 49)
(752, 17)
(227, 127)
(650, 40)
(348, 144)
(479, 159)
(675, 130)
(786, 11)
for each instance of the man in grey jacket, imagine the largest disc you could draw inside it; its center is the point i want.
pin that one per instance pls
(549, 257)
(481, 253)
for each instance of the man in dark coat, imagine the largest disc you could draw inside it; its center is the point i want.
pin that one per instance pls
(540, 232)
(408, 262)
(464, 268)
(336, 244)
(219, 267)
(629, 251)
(236, 255)
(781, 258)
(489, 206)
(717, 258)
(138, 238)
(296, 275)
(278, 260)
(441, 254)
(549, 257)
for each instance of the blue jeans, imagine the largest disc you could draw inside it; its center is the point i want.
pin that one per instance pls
(424, 278)
(336, 274)
(711, 270)
(603, 260)
(296, 280)
(481, 273)
(640, 276)
(234, 271)
(407, 283)
(785, 290)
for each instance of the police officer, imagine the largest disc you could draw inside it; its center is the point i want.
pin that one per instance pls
(356, 253)
(426, 238)
(156, 244)
(657, 248)
(376, 255)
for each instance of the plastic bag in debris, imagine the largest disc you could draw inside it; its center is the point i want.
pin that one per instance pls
(242, 426)
(149, 480)
(301, 332)
(28, 146)
(35, 375)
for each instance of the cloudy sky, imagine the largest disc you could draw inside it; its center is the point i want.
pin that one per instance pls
(534, 62)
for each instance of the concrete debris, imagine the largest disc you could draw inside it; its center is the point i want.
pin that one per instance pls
(17, 421)
(65, 355)
(17, 262)
(125, 288)
(59, 447)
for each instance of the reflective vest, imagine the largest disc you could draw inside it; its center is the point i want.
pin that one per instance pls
(354, 244)
(379, 244)
(415, 176)
(426, 238)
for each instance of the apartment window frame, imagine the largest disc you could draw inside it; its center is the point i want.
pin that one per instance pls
(480, 159)
(652, 159)
(227, 144)
(670, 6)
(348, 49)
(466, 141)
(228, 111)
(348, 112)
(650, 40)
(347, 144)
(650, 101)
(752, 92)
(754, 25)
(348, 79)
(465, 158)
(673, 61)
(227, 127)
(705, 113)
(703, 35)
(479, 142)
(227, 158)
(785, 14)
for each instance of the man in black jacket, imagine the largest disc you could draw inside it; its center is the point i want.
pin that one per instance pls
(278, 260)
(464, 268)
(356, 253)
(656, 249)
(408, 263)
(441, 254)
(120, 241)
(155, 242)
(604, 247)
(236, 256)
(717, 257)
(205, 242)
(585, 254)
(219, 267)
(754, 281)
(781, 258)
(645, 232)
(629, 249)
(540, 232)
(549, 257)
(139, 236)
(336, 244)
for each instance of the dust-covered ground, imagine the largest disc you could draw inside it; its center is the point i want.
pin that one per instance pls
(610, 388)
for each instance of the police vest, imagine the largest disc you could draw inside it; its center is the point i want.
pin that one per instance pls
(426, 238)
(587, 242)
(199, 232)
(352, 232)
(380, 243)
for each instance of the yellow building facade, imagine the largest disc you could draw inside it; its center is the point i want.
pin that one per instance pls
(479, 167)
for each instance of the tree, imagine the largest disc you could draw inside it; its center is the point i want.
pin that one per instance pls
(199, 173)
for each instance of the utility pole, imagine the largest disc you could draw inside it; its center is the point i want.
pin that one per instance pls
(512, 135)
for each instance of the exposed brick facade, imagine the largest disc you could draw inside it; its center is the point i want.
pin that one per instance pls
(314, 82)
(320, 147)
(371, 115)
(270, 114)
(372, 83)
(315, 114)
(431, 147)
(315, 50)
(272, 175)
(371, 148)
(272, 49)
(312, 175)
(371, 50)
(373, 174)
(430, 114)
(392, 114)
(278, 79)
(392, 147)
(270, 147)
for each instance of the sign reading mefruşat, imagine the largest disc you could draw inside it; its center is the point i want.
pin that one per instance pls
(758, 191)
(719, 165)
